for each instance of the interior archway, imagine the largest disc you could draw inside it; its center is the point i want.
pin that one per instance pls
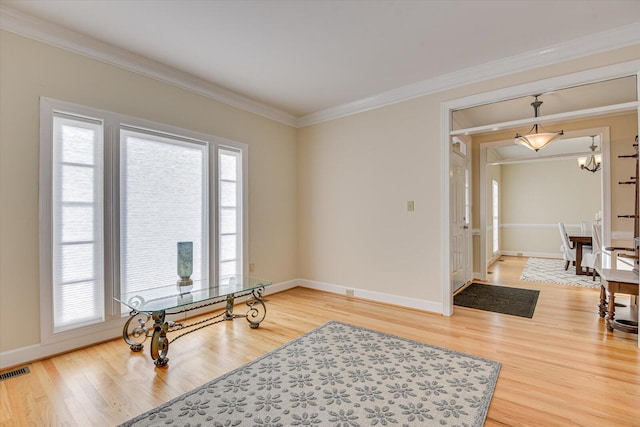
(488, 99)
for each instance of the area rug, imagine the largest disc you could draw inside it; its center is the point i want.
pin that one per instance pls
(341, 375)
(552, 271)
(499, 299)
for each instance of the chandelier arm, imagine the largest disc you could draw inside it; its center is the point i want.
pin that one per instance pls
(561, 132)
(593, 165)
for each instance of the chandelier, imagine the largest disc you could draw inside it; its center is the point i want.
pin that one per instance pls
(594, 162)
(535, 140)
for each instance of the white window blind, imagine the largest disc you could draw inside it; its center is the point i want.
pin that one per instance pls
(229, 212)
(163, 201)
(117, 194)
(77, 219)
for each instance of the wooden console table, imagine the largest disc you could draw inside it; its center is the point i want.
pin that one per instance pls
(618, 281)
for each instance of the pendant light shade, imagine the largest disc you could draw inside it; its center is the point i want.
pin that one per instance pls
(536, 140)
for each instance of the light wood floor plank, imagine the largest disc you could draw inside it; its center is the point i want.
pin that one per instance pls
(560, 368)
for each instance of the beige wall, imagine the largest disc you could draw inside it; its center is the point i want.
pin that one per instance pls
(356, 174)
(543, 194)
(29, 70)
(623, 133)
(343, 222)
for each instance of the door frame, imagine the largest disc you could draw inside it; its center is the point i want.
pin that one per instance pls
(555, 83)
(605, 184)
(466, 156)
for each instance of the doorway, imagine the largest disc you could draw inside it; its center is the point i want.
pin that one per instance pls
(539, 192)
(628, 69)
(461, 254)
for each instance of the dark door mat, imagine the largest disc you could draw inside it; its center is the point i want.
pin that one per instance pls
(499, 299)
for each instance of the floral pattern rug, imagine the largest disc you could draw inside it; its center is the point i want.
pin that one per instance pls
(341, 375)
(552, 271)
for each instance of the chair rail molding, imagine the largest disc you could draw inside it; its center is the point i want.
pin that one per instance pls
(554, 226)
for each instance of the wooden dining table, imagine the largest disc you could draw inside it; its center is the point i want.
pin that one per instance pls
(579, 241)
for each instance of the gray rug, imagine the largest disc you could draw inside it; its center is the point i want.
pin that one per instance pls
(552, 271)
(344, 376)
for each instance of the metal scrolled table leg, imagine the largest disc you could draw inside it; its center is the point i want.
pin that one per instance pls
(159, 340)
(136, 333)
(257, 309)
(228, 314)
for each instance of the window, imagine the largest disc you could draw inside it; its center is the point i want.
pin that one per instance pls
(163, 200)
(77, 279)
(495, 215)
(117, 194)
(230, 209)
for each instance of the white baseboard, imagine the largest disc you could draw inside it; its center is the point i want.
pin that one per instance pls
(494, 258)
(419, 304)
(34, 352)
(533, 254)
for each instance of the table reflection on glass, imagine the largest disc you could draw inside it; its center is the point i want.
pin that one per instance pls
(150, 307)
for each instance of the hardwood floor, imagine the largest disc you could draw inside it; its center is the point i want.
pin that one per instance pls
(560, 368)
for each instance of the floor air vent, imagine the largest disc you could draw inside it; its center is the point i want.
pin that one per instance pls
(14, 373)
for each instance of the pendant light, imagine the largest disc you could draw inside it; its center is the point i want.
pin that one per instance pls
(535, 140)
(594, 162)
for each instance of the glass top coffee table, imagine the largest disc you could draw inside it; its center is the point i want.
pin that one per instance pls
(150, 307)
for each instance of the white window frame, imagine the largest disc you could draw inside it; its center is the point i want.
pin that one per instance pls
(240, 255)
(181, 141)
(113, 122)
(495, 216)
(96, 205)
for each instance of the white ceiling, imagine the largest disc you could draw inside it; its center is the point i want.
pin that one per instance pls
(593, 95)
(302, 57)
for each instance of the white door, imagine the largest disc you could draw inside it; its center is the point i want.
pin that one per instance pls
(461, 257)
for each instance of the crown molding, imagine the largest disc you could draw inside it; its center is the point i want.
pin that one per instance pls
(53, 34)
(29, 26)
(595, 43)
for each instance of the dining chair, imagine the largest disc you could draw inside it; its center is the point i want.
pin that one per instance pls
(586, 227)
(593, 260)
(568, 251)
